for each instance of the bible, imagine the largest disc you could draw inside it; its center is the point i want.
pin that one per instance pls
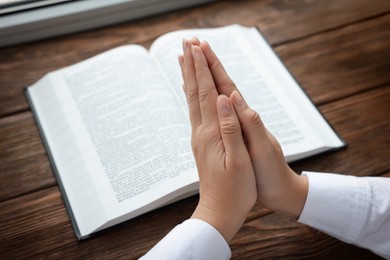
(116, 126)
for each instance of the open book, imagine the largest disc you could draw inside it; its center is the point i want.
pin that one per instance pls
(117, 130)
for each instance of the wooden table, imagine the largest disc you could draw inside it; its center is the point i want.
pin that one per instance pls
(337, 50)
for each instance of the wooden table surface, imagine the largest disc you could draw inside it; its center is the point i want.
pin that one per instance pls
(338, 50)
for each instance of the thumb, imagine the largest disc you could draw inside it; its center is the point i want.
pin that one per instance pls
(230, 127)
(252, 126)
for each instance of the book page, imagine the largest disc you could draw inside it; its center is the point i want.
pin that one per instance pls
(129, 130)
(247, 59)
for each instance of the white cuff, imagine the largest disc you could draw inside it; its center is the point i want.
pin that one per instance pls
(336, 204)
(193, 239)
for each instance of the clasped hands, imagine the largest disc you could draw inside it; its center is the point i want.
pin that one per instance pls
(239, 162)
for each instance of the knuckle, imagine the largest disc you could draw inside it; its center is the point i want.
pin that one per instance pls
(203, 95)
(229, 127)
(230, 85)
(207, 132)
(216, 64)
(191, 95)
(253, 117)
(208, 135)
(275, 143)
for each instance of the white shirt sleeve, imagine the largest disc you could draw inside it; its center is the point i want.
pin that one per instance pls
(193, 239)
(353, 209)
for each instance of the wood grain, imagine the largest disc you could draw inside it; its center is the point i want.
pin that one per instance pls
(47, 233)
(337, 50)
(363, 122)
(280, 21)
(24, 165)
(342, 62)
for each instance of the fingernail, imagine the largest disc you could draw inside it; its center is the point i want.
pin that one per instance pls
(238, 99)
(184, 43)
(195, 39)
(194, 51)
(180, 58)
(204, 44)
(224, 104)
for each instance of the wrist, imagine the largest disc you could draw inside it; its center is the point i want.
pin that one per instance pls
(225, 222)
(294, 195)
